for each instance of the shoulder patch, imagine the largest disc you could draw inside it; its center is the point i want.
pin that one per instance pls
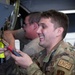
(65, 64)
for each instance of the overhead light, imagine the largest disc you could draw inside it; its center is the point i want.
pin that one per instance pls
(68, 11)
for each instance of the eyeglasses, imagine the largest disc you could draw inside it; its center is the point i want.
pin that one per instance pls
(25, 24)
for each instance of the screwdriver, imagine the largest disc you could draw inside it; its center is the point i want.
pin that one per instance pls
(10, 48)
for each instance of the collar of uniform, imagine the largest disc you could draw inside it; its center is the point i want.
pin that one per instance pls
(47, 57)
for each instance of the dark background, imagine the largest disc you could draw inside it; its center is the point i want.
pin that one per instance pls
(27, 6)
(42, 5)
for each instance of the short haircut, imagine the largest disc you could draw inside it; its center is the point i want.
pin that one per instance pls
(58, 18)
(34, 17)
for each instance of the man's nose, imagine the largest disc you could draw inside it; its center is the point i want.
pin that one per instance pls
(39, 30)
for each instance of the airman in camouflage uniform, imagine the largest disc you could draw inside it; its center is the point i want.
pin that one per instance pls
(58, 58)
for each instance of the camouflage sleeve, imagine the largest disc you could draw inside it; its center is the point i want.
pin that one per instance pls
(19, 71)
(34, 70)
(64, 66)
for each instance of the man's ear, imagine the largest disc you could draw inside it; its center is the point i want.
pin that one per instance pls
(59, 31)
(35, 25)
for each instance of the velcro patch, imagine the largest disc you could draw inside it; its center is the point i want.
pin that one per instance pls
(65, 64)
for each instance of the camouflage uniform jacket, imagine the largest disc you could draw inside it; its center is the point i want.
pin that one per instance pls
(60, 61)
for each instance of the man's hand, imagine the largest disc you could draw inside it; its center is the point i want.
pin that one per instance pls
(2, 50)
(6, 52)
(24, 60)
